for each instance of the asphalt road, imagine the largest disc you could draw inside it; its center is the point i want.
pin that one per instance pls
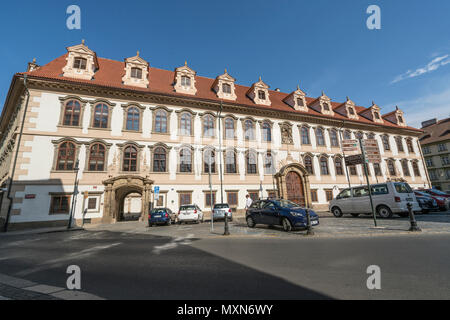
(118, 265)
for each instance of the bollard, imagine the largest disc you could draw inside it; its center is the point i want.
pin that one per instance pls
(309, 230)
(412, 219)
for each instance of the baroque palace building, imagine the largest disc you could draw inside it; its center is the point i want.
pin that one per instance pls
(132, 127)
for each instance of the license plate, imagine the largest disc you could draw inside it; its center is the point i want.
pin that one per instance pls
(314, 222)
(156, 216)
(409, 199)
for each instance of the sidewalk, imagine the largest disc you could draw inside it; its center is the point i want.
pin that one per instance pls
(39, 231)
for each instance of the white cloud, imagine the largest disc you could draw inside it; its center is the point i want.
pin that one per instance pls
(433, 65)
(434, 105)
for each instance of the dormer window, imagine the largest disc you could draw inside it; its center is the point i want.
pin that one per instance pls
(226, 88)
(136, 73)
(326, 107)
(322, 104)
(400, 119)
(261, 95)
(80, 63)
(300, 102)
(297, 100)
(351, 111)
(185, 81)
(377, 115)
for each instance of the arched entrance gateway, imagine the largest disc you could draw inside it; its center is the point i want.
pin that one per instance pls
(118, 189)
(293, 184)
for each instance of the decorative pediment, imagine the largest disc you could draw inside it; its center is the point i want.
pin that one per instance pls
(297, 100)
(396, 117)
(348, 109)
(372, 113)
(224, 86)
(136, 72)
(81, 62)
(185, 80)
(259, 93)
(323, 105)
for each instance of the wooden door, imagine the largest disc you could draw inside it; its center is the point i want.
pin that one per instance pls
(294, 187)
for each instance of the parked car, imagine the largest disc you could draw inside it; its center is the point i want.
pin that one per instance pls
(220, 210)
(388, 198)
(442, 198)
(190, 213)
(161, 216)
(426, 202)
(279, 212)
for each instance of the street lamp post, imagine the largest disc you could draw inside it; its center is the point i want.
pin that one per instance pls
(75, 191)
(226, 227)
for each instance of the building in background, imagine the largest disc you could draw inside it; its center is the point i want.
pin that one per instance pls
(436, 150)
(133, 127)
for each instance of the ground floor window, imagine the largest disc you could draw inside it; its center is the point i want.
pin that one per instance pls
(254, 195)
(272, 194)
(185, 198)
(208, 197)
(92, 203)
(329, 194)
(60, 204)
(314, 196)
(232, 198)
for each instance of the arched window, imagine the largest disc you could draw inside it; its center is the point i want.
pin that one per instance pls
(251, 163)
(338, 166)
(269, 167)
(186, 124)
(319, 137)
(334, 138)
(72, 113)
(130, 156)
(209, 158)
(230, 162)
(229, 128)
(66, 156)
(377, 169)
(305, 135)
(371, 136)
(347, 135)
(359, 135)
(309, 164)
(226, 88)
(185, 81)
(391, 168)
(97, 154)
(399, 142)
(136, 73)
(101, 114)
(80, 63)
(161, 121)
(133, 117)
(159, 160)
(249, 130)
(405, 168)
(409, 144)
(185, 160)
(208, 126)
(386, 144)
(416, 169)
(324, 166)
(266, 132)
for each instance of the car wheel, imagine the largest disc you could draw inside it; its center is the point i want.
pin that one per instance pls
(250, 222)
(356, 215)
(287, 226)
(337, 212)
(384, 212)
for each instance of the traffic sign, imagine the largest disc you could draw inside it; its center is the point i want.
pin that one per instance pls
(372, 150)
(349, 145)
(156, 193)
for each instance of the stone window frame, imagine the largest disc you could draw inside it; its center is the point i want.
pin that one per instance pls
(416, 169)
(193, 116)
(308, 130)
(94, 104)
(178, 150)
(214, 118)
(64, 100)
(180, 192)
(349, 132)
(121, 148)
(232, 205)
(310, 155)
(330, 130)
(224, 120)
(56, 144)
(236, 159)
(326, 157)
(125, 108)
(314, 195)
(405, 167)
(380, 173)
(88, 146)
(207, 148)
(168, 115)
(316, 129)
(409, 145)
(399, 144)
(98, 197)
(389, 161)
(341, 158)
(261, 126)
(246, 157)
(273, 166)
(207, 194)
(59, 194)
(152, 149)
(385, 136)
(253, 121)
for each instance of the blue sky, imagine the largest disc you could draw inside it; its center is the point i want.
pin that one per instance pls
(320, 44)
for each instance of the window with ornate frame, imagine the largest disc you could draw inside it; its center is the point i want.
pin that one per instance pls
(320, 139)
(159, 163)
(416, 169)
(347, 135)
(101, 116)
(226, 88)
(409, 145)
(97, 157)
(377, 169)
(269, 164)
(208, 125)
(334, 138)
(324, 170)
(209, 157)
(405, 168)
(185, 160)
(391, 168)
(72, 113)
(266, 130)
(230, 162)
(160, 121)
(229, 125)
(308, 161)
(304, 134)
(66, 156)
(133, 119)
(80, 63)
(251, 162)
(130, 158)
(338, 166)
(185, 124)
(386, 145)
(399, 142)
(249, 130)
(136, 73)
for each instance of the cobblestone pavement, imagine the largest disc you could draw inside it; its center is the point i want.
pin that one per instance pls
(348, 226)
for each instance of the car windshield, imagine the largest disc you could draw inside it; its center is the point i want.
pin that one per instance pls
(184, 208)
(221, 206)
(286, 204)
(156, 211)
(402, 187)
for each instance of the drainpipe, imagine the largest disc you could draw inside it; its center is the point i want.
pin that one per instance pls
(8, 215)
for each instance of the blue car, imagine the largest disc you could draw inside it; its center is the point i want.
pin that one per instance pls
(283, 213)
(161, 216)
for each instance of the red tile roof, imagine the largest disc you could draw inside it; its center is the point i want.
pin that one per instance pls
(110, 73)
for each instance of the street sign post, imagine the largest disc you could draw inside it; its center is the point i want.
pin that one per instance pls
(366, 172)
(156, 193)
(372, 151)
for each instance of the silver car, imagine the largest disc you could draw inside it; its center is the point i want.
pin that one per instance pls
(222, 209)
(388, 198)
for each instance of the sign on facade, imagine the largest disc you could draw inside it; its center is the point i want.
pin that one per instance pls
(349, 145)
(372, 151)
(354, 160)
(156, 193)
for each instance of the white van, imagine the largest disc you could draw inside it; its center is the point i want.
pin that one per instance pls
(388, 198)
